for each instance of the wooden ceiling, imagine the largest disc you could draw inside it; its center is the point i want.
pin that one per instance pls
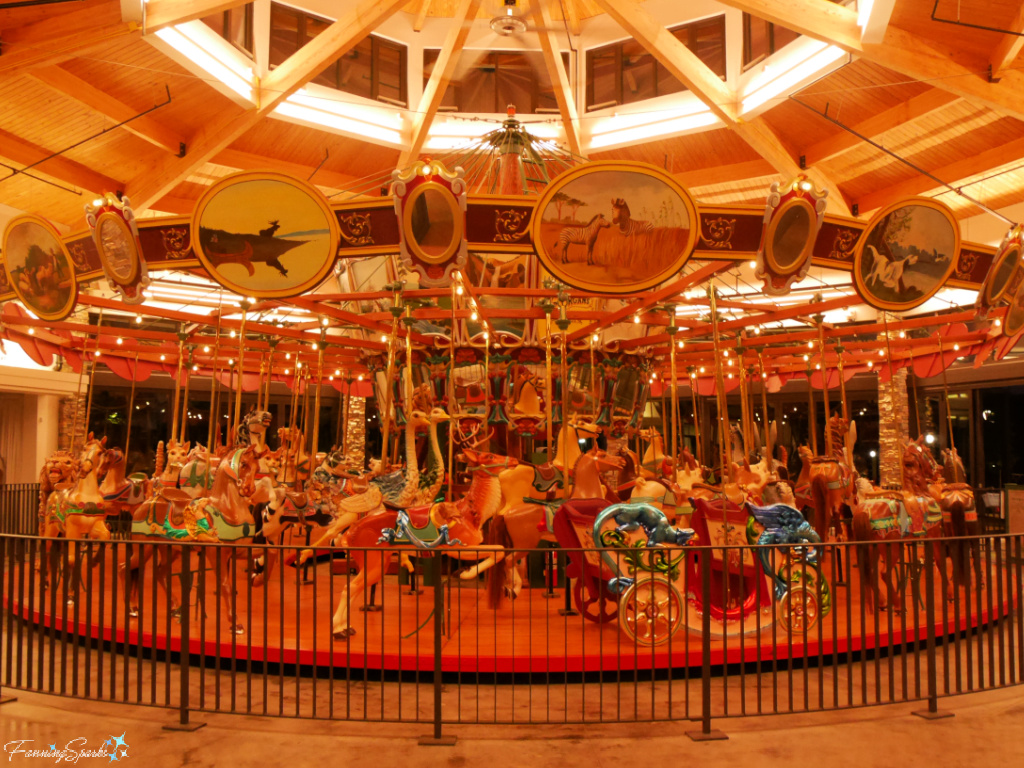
(69, 71)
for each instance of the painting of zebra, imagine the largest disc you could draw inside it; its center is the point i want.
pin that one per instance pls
(585, 235)
(614, 227)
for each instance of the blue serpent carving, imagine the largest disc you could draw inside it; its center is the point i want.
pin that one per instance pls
(783, 524)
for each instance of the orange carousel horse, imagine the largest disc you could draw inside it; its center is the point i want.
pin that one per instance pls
(825, 483)
(894, 518)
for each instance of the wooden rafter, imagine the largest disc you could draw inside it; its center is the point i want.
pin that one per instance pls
(919, 106)
(421, 16)
(1009, 46)
(716, 95)
(951, 174)
(146, 127)
(61, 37)
(901, 51)
(26, 153)
(569, 9)
(167, 13)
(218, 134)
(248, 161)
(444, 69)
(559, 78)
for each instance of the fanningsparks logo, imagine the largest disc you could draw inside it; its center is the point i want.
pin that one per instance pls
(112, 750)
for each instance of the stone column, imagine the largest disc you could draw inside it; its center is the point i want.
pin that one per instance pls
(893, 423)
(66, 420)
(355, 430)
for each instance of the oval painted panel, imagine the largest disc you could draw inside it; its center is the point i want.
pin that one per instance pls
(39, 268)
(1013, 323)
(614, 227)
(906, 254)
(265, 234)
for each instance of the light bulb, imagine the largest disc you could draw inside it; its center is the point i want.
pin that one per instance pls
(458, 290)
(764, 375)
(97, 353)
(903, 334)
(871, 364)
(728, 362)
(233, 334)
(298, 365)
(757, 330)
(998, 322)
(287, 371)
(729, 376)
(725, 353)
(325, 322)
(682, 344)
(806, 358)
(315, 347)
(287, 355)
(360, 377)
(702, 369)
(163, 357)
(206, 349)
(596, 338)
(337, 372)
(473, 316)
(195, 367)
(138, 319)
(636, 318)
(120, 340)
(752, 264)
(31, 331)
(881, 353)
(231, 361)
(818, 366)
(956, 347)
(810, 345)
(384, 338)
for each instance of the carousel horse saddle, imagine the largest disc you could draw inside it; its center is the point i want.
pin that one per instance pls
(545, 476)
(419, 518)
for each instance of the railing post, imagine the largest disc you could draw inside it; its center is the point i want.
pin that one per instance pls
(436, 739)
(184, 654)
(4, 576)
(933, 712)
(705, 733)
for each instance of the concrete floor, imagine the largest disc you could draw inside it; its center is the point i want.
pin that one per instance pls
(985, 730)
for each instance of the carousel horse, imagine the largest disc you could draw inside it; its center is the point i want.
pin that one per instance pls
(673, 498)
(825, 483)
(373, 533)
(959, 517)
(253, 431)
(196, 475)
(527, 416)
(525, 525)
(896, 517)
(79, 511)
(295, 467)
(622, 482)
(169, 461)
(545, 482)
(119, 492)
(654, 457)
(57, 473)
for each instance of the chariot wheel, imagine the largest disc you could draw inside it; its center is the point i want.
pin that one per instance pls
(651, 611)
(600, 609)
(798, 610)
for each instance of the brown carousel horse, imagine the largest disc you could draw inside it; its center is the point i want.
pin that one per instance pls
(959, 517)
(825, 483)
(894, 518)
(525, 525)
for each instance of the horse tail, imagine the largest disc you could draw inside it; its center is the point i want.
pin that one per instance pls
(819, 502)
(497, 534)
(861, 531)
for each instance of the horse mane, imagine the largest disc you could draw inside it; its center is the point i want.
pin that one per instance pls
(594, 218)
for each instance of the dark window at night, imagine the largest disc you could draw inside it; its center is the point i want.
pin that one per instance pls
(490, 81)
(374, 69)
(626, 72)
(235, 26)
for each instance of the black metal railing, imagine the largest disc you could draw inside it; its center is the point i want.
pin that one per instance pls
(19, 508)
(145, 623)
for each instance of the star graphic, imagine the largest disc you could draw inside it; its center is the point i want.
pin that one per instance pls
(118, 741)
(53, 747)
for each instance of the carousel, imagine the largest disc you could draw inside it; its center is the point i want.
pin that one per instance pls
(513, 356)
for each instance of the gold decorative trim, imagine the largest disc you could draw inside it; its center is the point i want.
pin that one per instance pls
(721, 231)
(359, 228)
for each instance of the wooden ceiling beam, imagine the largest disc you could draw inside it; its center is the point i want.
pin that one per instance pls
(146, 127)
(167, 13)
(217, 135)
(559, 78)
(952, 174)
(26, 153)
(444, 69)
(570, 10)
(679, 60)
(919, 106)
(1009, 46)
(901, 51)
(724, 174)
(421, 16)
(61, 36)
(716, 95)
(248, 161)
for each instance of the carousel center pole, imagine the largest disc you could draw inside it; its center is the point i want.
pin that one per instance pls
(316, 407)
(892, 379)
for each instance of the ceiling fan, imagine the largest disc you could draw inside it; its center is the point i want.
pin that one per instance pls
(510, 23)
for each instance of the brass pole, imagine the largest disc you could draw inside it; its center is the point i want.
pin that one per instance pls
(675, 394)
(769, 447)
(228, 439)
(723, 412)
(184, 400)
(307, 416)
(840, 350)
(825, 391)
(563, 433)
(131, 407)
(696, 416)
(813, 415)
(549, 384)
(451, 393)
(177, 385)
(316, 407)
(746, 414)
(241, 367)
(593, 381)
(213, 389)
(945, 394)
(917, 403)
(386, 410)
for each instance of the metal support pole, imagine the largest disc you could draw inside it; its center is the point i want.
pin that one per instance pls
(436, 739)
(933, 712)
(184, 662)
(705, 733)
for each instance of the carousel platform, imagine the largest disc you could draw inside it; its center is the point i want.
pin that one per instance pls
(289, 622)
